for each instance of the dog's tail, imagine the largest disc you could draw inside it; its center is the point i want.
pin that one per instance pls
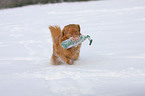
(55, 31)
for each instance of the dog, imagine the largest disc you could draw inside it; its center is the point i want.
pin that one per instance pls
(61, 55)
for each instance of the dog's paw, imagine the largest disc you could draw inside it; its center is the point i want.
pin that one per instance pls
(69, 61)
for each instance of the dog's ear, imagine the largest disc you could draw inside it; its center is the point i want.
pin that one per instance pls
(62, 34)
(79, 27)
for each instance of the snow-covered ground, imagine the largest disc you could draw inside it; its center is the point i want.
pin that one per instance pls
(113, 66)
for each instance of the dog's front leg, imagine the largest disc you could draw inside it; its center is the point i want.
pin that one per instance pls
(67, 60)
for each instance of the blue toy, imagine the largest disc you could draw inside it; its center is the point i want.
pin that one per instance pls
(70, 43)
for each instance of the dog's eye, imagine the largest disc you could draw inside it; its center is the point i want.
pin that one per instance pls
(77, 32)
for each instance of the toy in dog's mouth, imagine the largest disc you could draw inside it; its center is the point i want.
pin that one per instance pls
(71, 42)
(75, 38)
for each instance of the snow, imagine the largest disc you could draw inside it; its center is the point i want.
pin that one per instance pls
(114, 65)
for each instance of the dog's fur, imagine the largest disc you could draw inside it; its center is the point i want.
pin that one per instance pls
(61, 55)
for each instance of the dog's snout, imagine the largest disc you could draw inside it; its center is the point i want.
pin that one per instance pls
(75, 38)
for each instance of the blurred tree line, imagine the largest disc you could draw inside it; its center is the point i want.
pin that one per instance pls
(18, 3)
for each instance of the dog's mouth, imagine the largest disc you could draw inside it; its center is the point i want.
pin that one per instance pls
(75, 38)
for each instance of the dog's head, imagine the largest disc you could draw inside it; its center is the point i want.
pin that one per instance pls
(71, 31)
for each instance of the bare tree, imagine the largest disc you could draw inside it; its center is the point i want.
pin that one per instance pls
(18, 3)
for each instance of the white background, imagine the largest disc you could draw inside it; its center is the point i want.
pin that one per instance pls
(114, 65)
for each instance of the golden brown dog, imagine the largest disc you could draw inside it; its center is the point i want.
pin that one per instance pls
(61, 55)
